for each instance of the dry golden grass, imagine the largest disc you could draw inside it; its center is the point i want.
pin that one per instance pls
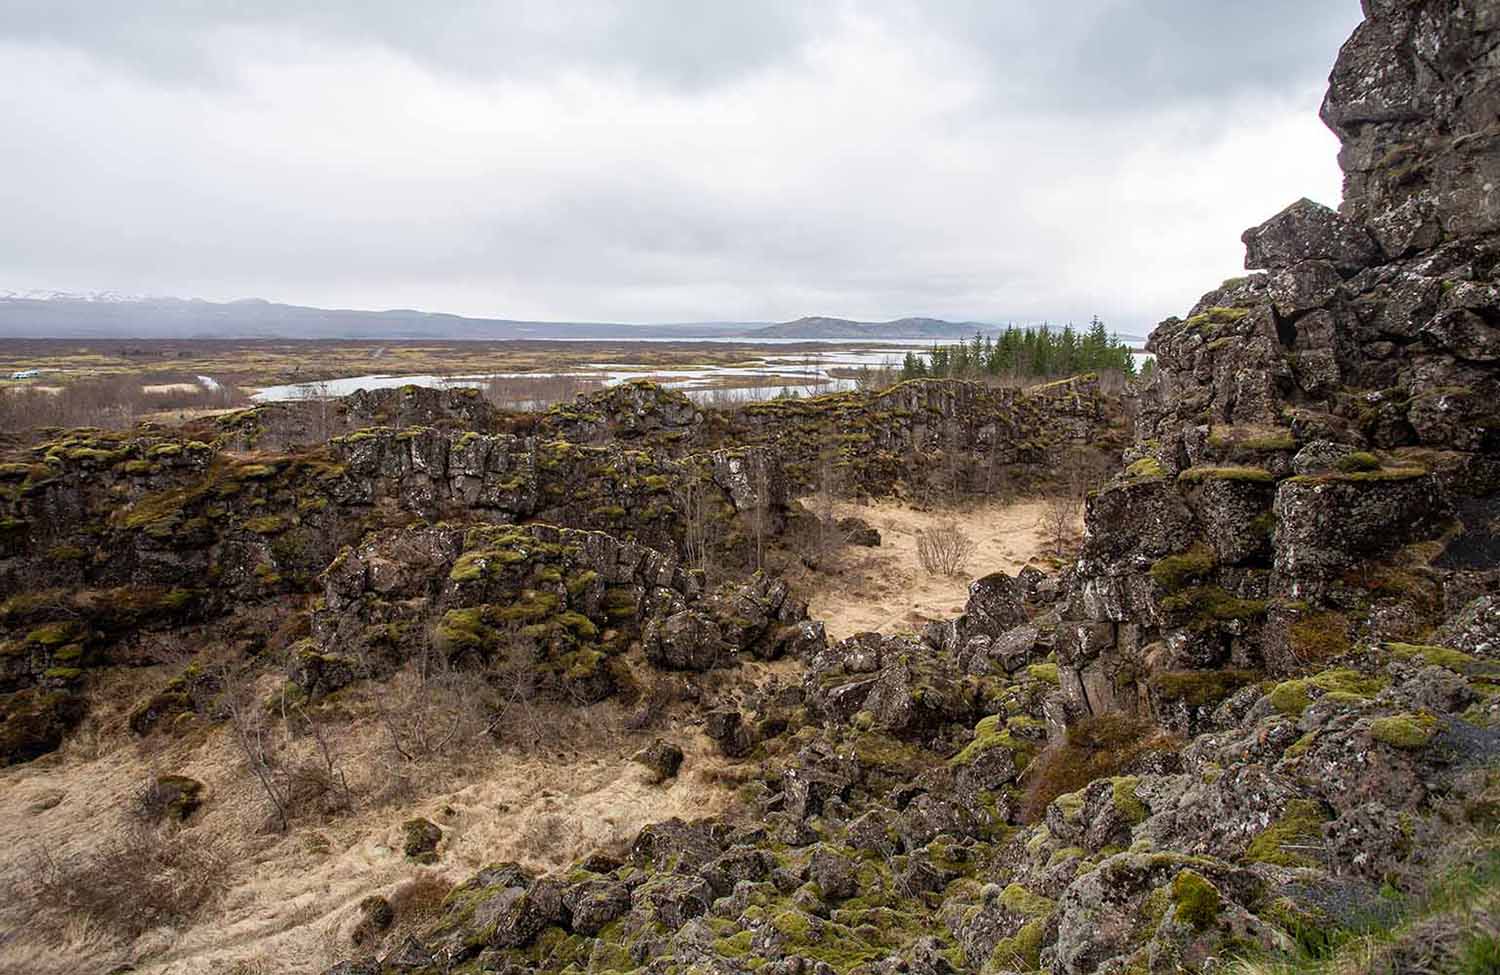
(289, 902)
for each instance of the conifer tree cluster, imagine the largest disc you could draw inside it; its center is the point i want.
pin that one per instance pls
(1027, 353)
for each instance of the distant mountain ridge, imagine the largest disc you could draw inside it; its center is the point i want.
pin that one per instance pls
(107, 314)
(110, 315)
(818, 327)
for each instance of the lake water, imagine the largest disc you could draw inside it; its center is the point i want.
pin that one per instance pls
(804, 374)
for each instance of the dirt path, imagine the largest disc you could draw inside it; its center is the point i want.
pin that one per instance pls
(885, 589)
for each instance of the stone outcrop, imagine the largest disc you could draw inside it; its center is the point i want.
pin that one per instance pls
(1316, 443)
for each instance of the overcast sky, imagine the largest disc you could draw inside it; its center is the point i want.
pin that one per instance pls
(660, 160)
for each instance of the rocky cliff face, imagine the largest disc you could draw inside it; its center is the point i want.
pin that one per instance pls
(109, 534)
(1265, 693)
(1317, 449)
(1254, 719)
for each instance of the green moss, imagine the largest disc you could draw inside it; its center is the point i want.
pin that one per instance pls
(1126, 803)
(1205, 605)
(1070, 804)
(578, 624)
(1454, 660)
(1176, 571)
(267, 524)
(1046, 672)
(463, 629)
(66, 674)
(795, 926)
(582, 664)
(1019, 900)
(735, 946)
(1362, 477)
(1357, 462)
(1200, 688)
(531, 607)
(1283, 843)
(1144, 468)
(990, 733)
(1023, 951)
(1279, 440)
(1404, 731)
(476, 565)
(579, 581)
(1197, 901)
(1256, 475)
(55, 634)
(1295, 696)
(1299, 747)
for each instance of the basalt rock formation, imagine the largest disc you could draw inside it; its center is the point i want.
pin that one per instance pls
(588, 526)
(1259, 708)
(1255, 719)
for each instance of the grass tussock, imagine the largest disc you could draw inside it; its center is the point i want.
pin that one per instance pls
(1449, 926)
(141, 879)
(1095, 748)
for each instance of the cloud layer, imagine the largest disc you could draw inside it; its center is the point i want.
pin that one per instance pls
(660, 160)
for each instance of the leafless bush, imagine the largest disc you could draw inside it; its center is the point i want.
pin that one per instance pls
(140, 879)
(150, 803)
(944, 550)
(1059, 517)
(656, 697)
(294, 778)
(1075, 476)
(870, 378)
(433, 707)
(255, 740)
(827, 537)
(538, 392)
(760, 510)
(110, 402)
(693, 498)
(418, 902)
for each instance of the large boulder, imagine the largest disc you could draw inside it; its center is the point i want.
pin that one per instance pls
(1308, 231)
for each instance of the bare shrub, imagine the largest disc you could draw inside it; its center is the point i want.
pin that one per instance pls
(656, 697)
(1059, 516)
(1077, 473)
(417, 902)
(110, 402)
(868, 379)
(944, 550)
(827, 536)
(1095, 747)
(760, 511)
(140, 879)
(435, 709)
(150, 802)
(693, 498)
(538, 392)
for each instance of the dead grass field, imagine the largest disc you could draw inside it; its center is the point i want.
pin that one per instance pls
(886, 590)
(292, 899)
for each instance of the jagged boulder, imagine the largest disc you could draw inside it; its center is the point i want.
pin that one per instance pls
(1307, 231)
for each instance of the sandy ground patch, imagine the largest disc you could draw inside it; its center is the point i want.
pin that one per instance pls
(293, 899)
(885, 589)
(163, 388)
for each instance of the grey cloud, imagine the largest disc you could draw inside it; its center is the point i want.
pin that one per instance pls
(244, 148)
(681, 43)
(1077, 55)
(1114, 55)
